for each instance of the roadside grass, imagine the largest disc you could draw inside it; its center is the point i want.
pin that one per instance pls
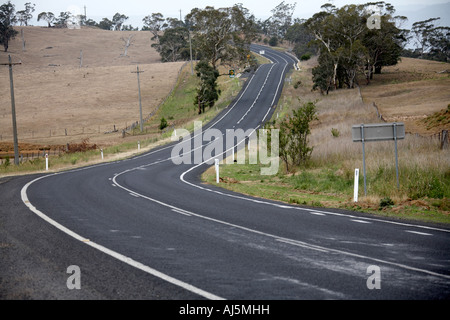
(327, 179)
(178, 110)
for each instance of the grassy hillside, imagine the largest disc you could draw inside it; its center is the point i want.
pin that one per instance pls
(410, 92)
(55, 96)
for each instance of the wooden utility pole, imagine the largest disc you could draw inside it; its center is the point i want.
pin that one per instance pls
(139, 88)
(13, 109)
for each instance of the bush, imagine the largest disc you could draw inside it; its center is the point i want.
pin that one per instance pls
(293, 136)
(305, 57)
(7, 162)
(385, 202)
(297, 84)
(335, 132)
(273, 42)
(163, 124)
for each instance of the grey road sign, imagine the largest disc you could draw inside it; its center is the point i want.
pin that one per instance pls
(378, 132)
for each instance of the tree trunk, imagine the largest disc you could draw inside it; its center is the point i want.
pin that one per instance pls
(334, 76)
(378, 69)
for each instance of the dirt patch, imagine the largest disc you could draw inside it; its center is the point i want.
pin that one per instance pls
(228, 180)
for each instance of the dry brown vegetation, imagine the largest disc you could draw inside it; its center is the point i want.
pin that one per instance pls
(411, 91)
(54, 95)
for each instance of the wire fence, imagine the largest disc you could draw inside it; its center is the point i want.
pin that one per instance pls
(31, 155)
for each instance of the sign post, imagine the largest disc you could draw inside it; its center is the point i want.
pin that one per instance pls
(378, 132)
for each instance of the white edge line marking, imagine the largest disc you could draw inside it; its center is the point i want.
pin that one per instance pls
(420, 233)
(360, 221)
(317, 213)
(181, 212)
(112, 253)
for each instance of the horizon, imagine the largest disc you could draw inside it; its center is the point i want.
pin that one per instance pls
(97, 10)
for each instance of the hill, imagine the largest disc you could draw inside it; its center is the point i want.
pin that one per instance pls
(411, 91)
(59, 102)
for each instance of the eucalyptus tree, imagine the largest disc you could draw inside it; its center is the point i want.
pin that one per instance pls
(155, 23)
(23, 16)
(347, 46)
(7, 20)
(48, 17)
(222, 35)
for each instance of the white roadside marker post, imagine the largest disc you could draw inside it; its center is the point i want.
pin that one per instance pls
(46, 162)
(217, 170)
(101, 150)
(355, 191)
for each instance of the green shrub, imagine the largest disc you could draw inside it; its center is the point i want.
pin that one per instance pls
(335, 132)
(163, 124)
(7, 162)
(386, 202)
(305, 57)
(273, 42)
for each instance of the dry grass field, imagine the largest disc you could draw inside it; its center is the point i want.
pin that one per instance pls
(55, 96)
(411, 91)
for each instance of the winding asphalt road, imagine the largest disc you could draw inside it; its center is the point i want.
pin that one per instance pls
(145, 228)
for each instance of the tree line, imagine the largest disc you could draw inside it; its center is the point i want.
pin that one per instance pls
(342, 38)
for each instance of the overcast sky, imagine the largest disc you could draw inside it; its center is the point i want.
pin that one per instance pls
(137, 9)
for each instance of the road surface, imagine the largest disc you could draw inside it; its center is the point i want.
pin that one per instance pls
(147, 228)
